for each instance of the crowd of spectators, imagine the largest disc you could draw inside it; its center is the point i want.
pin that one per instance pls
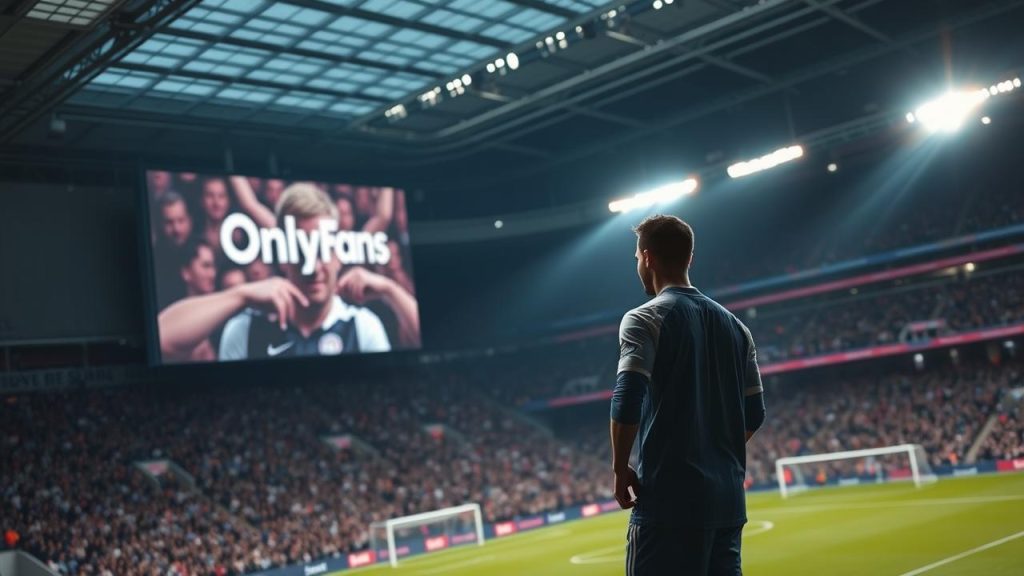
(256, 484)
(260, 487)
(797, 329)
(941, 409)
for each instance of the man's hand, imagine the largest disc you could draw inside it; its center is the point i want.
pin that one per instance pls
(276, 295)
(360, 286)
(625, 480)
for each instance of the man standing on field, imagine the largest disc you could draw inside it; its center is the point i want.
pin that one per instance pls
(688, 383)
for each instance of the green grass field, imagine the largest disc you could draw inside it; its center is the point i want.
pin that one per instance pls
(956, 526)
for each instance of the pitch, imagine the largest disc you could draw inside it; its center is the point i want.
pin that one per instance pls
(956, 526)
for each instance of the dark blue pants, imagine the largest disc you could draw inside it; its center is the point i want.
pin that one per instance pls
(653, 550)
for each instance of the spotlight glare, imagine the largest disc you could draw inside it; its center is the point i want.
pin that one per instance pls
(911, 118)
(512, 59)
(490, 67)
(659, 195)
(467, 79)
(657, 4)
(832, 167)
(948, 112)
(500, 63)
(780, 156)
(986, 120)
(498, 224)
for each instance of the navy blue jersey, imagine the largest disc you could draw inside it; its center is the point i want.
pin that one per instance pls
(346, 330)
(700, 365)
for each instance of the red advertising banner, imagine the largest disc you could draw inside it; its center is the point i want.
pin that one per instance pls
(591, 510)
(505, 529)
(1010, 465)
(364, 558)
(435, 543)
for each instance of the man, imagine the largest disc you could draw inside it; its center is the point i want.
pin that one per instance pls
(197, 272)
(688, 382)
(216, 204)
(298, 315)
(198, 268)
(175, 221)
(175, 230)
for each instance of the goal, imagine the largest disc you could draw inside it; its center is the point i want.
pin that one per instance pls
(428, 532)
(891, 463)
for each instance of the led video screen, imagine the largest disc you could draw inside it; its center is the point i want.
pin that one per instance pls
(262, 268)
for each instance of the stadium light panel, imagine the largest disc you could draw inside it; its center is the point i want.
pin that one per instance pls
(766, 162)
(948, 112)
(659, 195)
(70, 12)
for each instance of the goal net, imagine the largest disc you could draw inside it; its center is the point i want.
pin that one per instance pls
(906, 462)
(427, 532)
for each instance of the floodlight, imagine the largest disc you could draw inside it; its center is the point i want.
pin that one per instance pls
(659, 195)
(780, 156)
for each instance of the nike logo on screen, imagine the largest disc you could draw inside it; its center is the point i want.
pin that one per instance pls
(278, 350)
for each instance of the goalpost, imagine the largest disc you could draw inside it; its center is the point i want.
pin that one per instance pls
(436, 530)
(873, 463)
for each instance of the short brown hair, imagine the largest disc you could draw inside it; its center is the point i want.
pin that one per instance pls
(668, 238)
(305, 200)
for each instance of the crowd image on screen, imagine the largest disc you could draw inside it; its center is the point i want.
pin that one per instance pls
(189, 210)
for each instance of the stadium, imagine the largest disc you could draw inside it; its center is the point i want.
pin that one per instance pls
(301, 287)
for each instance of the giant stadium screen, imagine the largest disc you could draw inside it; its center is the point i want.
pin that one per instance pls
(264, 268)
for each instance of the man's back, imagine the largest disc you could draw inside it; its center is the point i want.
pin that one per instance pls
(700, 363)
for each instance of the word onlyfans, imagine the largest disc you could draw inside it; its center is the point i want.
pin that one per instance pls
(293, 245)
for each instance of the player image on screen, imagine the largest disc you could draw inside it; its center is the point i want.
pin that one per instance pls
(313, 275)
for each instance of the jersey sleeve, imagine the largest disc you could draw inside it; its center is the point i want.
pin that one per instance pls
(234, 342)
(372, 335)
(751, 373)
(638, 339)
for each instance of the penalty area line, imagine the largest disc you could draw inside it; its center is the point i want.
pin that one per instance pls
(964, 554)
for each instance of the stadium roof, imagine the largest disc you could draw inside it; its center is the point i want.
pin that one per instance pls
(456, 93)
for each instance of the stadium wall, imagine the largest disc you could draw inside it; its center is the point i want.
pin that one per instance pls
(70, 263)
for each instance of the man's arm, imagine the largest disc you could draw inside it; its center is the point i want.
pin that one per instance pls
(627, 402)
(186, 323)
(754, 414)
(250, 204)
(753, 390)
(381, 219)
(637, 342)
(359, 285)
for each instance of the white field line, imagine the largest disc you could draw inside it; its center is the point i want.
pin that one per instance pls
(617, 553)
(453, 565)
(964, 554)
(869, 505)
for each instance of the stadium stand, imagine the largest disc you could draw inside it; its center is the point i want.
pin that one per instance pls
(958, 304)
(904, 225)
(268, 491)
